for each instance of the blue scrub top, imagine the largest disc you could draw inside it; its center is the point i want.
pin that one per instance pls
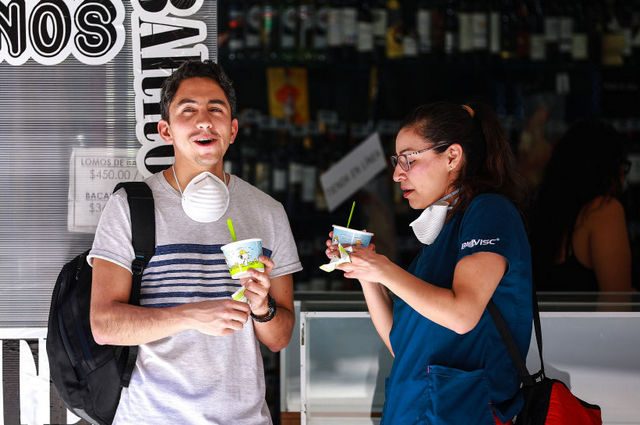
(439, 376)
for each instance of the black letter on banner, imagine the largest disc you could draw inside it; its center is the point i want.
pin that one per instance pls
(13, 18)
(155, 6)
(11, 380)
(167, 36)
(96, 33)
(45, 43)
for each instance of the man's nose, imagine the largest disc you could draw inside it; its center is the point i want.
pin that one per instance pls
(204, 120)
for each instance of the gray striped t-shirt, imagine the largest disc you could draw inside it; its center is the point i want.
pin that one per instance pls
(192, 378)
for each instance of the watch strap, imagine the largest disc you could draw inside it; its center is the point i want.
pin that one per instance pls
(271, 312)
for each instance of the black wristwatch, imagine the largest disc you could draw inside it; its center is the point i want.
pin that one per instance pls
(271, 304)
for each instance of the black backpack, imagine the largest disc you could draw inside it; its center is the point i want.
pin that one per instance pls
(89, 377)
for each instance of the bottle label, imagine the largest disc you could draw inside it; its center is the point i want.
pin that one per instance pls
(566, 34)
(465, 33)
(494, 34)
(409, 46)
(287, 37)
(308, 183)
(424, 30)
(254, 21)
(379, 22)
(334, 34)
(279, 180)
(628, 40)
(349, 26)
(295, 173)
(320, 41)
(365, 37)
(552, 29)
(449, 42)
(479, 26)
(538, 51)
(580, 46)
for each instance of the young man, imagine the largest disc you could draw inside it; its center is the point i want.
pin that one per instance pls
(199, 360)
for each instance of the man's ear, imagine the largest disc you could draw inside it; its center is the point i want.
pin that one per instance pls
(454, 156)
(164, 130)
(234, 130)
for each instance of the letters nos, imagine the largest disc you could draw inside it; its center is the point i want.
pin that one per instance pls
(47, 31)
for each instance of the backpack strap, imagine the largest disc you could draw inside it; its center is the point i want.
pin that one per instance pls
(143, 238)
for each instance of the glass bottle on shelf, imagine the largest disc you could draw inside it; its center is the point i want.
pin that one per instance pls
(537, 43)
(235, 26)
(306, 30)
(508, 30)
(635, 33)
(321, 25)
(424, 26)
(566, 30)
(465, 28)
(279, 163)
(365, 39)
(262, 168)
(480, 28)
(288, 30)
(523, 38)
(379, 12)
(349, 24)
(580, 39)
(552, 29)
(309, 175)
(394, 33)
(252, 29)
(495, 16)
(294, 170)
(334, 30)
(270, 31)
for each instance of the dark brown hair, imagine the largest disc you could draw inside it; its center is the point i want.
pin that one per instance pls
(489, 164)
(192, 69)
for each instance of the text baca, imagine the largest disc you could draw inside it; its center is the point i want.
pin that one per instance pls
(479, 242)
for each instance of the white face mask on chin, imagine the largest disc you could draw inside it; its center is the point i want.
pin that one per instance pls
(428, 225)
(206, 197)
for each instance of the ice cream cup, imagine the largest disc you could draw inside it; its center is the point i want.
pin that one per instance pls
(242, 256)
(346, 236)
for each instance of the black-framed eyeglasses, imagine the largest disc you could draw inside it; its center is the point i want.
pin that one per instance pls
(403, 158)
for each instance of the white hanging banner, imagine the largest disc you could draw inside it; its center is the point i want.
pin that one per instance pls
(353, 171)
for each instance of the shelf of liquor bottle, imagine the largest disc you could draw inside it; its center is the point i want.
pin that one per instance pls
(472, 63)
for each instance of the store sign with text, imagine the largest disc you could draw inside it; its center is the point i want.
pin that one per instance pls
(163, 34)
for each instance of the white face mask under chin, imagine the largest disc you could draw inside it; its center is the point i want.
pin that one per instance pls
(428, 225)
(206, 197)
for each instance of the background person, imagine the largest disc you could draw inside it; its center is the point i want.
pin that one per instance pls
(199, 360)
(450, 364)
(579, 233)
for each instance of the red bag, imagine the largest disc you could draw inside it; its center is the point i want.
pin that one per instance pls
(550, 402)
(546, 401)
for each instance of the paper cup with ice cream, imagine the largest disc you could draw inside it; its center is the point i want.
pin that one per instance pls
(242, 256)
(346, 236)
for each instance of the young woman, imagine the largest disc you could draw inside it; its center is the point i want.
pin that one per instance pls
(450, 364)
(579, 233)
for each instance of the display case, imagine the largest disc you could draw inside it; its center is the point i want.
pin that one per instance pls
(336, 373)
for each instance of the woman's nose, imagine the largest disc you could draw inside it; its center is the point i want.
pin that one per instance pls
(398, 174)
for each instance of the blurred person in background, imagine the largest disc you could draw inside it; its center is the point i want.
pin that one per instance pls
(579, 233)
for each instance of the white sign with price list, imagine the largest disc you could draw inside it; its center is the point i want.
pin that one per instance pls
(93, 173)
